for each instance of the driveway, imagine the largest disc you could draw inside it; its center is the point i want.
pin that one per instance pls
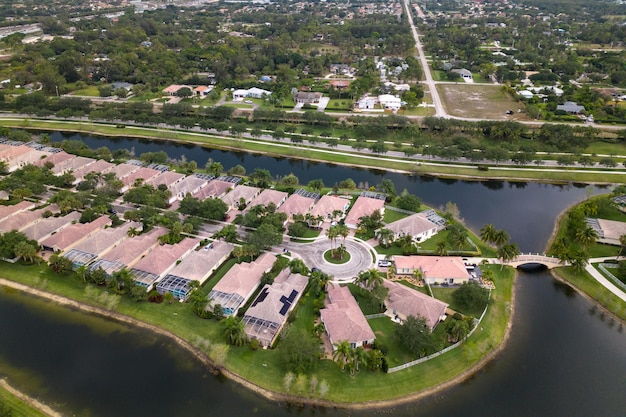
(313, 256)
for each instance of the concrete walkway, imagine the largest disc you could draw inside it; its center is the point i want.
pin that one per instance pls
(597, 275)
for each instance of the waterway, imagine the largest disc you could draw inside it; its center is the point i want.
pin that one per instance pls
(564, 358)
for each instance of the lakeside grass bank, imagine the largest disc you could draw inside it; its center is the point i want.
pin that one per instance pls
(261, 370)
(327, 154)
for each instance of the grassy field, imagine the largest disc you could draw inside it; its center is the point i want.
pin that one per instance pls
(18, 407)
(479, 101)
(91, 91)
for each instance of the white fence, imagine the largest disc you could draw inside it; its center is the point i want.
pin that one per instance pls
(604, 268)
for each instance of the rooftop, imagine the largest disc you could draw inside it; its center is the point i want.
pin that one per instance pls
(343, 318)
(409, 302)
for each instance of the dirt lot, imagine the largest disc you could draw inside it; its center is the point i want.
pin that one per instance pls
(480, 101)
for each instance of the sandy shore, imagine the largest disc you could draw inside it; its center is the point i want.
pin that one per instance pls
(271, 395)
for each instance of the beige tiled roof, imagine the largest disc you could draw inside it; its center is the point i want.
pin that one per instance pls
(24, 219)
(168, 178)
(130, 250)
(329, 203)
(363, 206)
(7, 211)
(30, 157)
(199, 264)
(162, 258)
(71, 164)
(144, 173)
(55, 158)
(74, 234)
(190, 184)
(214, 189)
(296, 204)
(412, 225)
(433, 267)
(99, 166)
(343, 318)
(12, 152)
(104, 240)
(406, 302)
(243, 278)
(266, 197)
(612, 229)
(241, 191)
(122, 170)
(45, 227)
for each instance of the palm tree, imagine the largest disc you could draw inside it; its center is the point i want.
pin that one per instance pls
(238, 252)
(579, 260)
(385, 237)
(508, 252)
(332, 234)
(587, 236)
(458, 330)
(214, 168)
(369, 279)
(442, 248)
(459, 238)
(488, 233)
(343, 231)
(501, 237)
(234, 331)
(342, 353)
(407, 243)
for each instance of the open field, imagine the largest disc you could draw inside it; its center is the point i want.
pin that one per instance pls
(479, 101)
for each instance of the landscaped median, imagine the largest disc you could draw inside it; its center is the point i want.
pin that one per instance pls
(262, 370)
(318, 153)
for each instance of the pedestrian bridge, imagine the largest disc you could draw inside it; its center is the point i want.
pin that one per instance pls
(534, 258)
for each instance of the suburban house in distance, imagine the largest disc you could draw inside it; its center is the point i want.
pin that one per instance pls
(267, 197)
(367, 203)
(344, 320)
(24, 219)
(253, 92)
(327, 206)
(403, 302)
(269, 312)
(420, 226)
(434, 269)
(239, 283)
(300, 202)
(307, 97)
(74, 234)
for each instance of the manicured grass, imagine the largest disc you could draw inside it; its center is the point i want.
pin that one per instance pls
(367, 304)
(91, 91)
(391, 216)
(431, 244)
(328, 257)
(343, 104)
(18, 407)
(384, 329)
(585, 283)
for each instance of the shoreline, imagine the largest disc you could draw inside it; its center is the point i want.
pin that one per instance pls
(33, 402)
(268, 394)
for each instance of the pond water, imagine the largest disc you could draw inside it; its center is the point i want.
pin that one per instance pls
(564, 358)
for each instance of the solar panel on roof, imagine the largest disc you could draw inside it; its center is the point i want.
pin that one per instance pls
(292, 296)
(284, 309)
(262, 296)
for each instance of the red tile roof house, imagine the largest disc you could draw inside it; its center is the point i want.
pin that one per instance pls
(245, 192)
(344, 320)
(173, 89)
(55, 158)
(46, 227)
(158, 263)
(74, 234)
(197, 266)
(296, 204)
(99, 243)
(434, 269)
(123, 170)
(70, 165)
(327, 205)
(363, 206)
(268, 197)
(144, 174)
(239, 283)
(167, 178)
(8, 211)
(188, 185)
(129, 252)
(214, 189)
(416, 225)
(403, 302)
(269, 312)
(24, 219)
(100, 165)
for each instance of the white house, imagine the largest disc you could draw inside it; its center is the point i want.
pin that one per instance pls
(389, 102)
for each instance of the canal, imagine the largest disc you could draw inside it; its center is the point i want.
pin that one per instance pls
(564, 358)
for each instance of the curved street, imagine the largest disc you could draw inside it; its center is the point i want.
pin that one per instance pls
(312, 254)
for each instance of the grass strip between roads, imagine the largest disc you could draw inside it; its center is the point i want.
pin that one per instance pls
(263, 367)
(553, 174)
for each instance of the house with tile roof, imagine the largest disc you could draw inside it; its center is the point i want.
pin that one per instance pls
(214, 189)
(363, 206)
(241, 193)
(296, 204)
(417, 225)
(402, 302)
(267, 197)
(344, 320)
(8, 211)
(143, 174)
(269, 312)
(100, 166)
(46, 227)
(123, 170)
(25, 158)
(239, 283)
(327, 205)
(11, 155)
(74, 234)
(160, 261)
(55, 158)
(197, 266)
(434, 269)
(26, 218)
(167, 178)
(71, 165)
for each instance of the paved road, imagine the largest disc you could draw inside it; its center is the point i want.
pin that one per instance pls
(313, 256)
(430, 82)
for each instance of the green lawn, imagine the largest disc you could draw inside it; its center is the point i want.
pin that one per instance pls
(367, 304)
(383, 328)
(343, 104)
(18, 407)
(90, 91)
(391, 216)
